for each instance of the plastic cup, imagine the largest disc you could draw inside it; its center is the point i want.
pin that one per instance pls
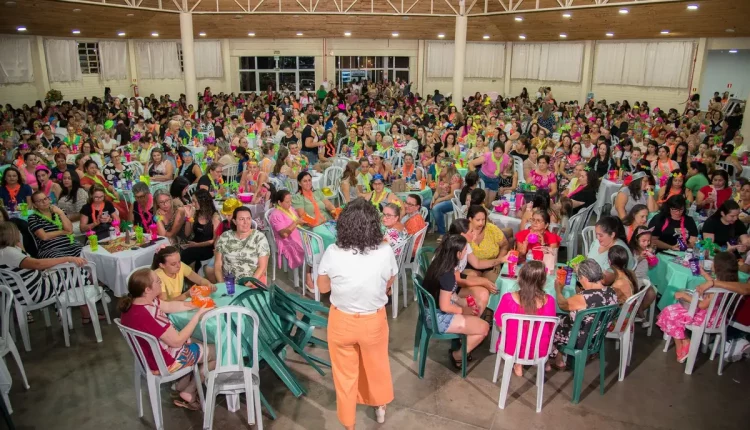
(695, 267)
(537, 254)
(562, 276)
(512, 269)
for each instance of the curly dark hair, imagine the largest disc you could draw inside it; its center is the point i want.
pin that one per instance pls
(359, 227)
(206, 207)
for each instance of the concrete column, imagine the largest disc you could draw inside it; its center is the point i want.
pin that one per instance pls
(188, 58)
(745, 129)
(508, 65)
(587, 71)
(459, 57)
(701, 55)
(132, 63)
(39, 64)
(227, 65)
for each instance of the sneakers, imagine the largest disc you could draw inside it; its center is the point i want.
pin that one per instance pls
(682, 354)
(380, 414)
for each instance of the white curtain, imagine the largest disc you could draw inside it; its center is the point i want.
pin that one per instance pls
(158, 60)
(648, 64)
(113, 60)
(208, 62)
(63, 64)
(483, 60)
(547, 61)
(15, 60)
(440, 59)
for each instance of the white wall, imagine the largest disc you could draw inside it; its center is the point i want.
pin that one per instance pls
(723, 68)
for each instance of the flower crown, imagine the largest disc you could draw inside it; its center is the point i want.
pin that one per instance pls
(587, 168)
(210, 139)
(136, 137)
(677, 175)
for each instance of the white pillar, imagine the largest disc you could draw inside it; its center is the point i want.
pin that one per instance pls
(459, 57)
(745, 129)
(508, 61)
(188, 58)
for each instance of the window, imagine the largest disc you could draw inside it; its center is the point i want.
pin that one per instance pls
(286, 74)
(88, 55)
(376, 69)
(179, 55)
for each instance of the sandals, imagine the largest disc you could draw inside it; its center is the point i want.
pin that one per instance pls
(193, 406)
(87, 320)
(456, 363)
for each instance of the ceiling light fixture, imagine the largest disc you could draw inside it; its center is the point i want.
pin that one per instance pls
(519, 19)
(609, 34)
(732, 51)
(155, 34)
(10, 3)
(567, 15)
(130, 14)
(122, 33)
(623, 11)
(394, 34)
(299, 33)
(347, 33)
(76, 10)
(486, 36)
(563, 35)
(251, 34)
(202, 34)
(692, 7)
(522, 37)
(21, 29)
(76, 31)
(441, 35)
(665, 32)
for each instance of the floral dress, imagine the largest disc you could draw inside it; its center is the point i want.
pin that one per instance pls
(542, 181)
(568, 167)
(395, 238)
(593, 299)
(673, 319)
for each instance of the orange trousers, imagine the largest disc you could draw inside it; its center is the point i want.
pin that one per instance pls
(358, 346)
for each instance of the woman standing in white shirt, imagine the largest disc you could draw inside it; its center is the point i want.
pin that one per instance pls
(359, 270)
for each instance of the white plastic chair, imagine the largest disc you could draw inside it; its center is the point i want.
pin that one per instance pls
(518, 167)
(274, 250)
(722, 307)
(153, 381)
(457, 194)
(332, 179)
(191, 189)
(480, 184)
(312, 258)
(77, 290)
(398, 161)
(137, 168)
(575, 225)
(7, 345)
(623, 331)
(400, 252)
(424, 212)
(231, 376)
(535, 327)
(589, 236)
(14, 281)
(729, 168)
(457, 211)
(340, 162)
(230, 171)
(652, 308)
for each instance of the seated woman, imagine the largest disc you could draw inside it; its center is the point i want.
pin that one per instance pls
(284, 222)
(379, 196)
(114, 171)
(609, 232)
(252, 178)
(395, 233)
(142, 210)
(201, 230)
(584, 193)
(542, 177)
(529, 163)
(454, 315)
(674, 318)
(671, 221)
(171, 219)
(640, 247)
(409, 171)
(541, 201)
(97, 215)
(489, 243)
(349, 190)
(72, 198)
(697, 177)
(593, 294)
(471, 181)
(724, 226)
(537, 236)
(227, 211)
(625, 283)
(637, 217)
(663, 166)
(50, 188)
(714, 195)
(172, 272)
(142, 310)
(638, 192)
(190, 170)
(312, 206)
(179, 192)
(53, 230)
(675, 187)
(87, 148)
(159, 168)
(602, 162)
(242, 251)
(493, 164)
(530, 299)
(13, 190)
(212, 181)
(93, 177)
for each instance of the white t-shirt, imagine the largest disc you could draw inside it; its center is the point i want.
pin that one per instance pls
(462, 263)
(358, 281)
(586, 153)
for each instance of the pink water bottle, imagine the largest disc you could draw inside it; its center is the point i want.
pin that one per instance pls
(153, 230)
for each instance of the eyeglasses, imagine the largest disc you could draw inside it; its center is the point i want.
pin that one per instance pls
(141, 196)
(42, 200)
(389, 216)
(98, 197)
(164, 202)
(410, 204)
(677, 209)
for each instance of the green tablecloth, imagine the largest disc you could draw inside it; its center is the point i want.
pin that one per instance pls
(324, 231)
(385, 127)
(669, 277)
(425, 194)
(181, 319)
(462, 171)
(508, 285)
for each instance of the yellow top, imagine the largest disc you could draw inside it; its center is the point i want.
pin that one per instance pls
(173, 286)
(490, 246)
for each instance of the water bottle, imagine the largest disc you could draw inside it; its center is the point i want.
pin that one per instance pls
(512, 198)
(229, 283)
(689, 254)
(701, 256)
(529, 256)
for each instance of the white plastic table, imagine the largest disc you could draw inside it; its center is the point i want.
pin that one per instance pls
(506, 221)
(113, 269)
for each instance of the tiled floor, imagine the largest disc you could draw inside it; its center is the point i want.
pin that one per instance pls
(90, 386)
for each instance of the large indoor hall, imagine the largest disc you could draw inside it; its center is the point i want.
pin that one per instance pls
(426, 214)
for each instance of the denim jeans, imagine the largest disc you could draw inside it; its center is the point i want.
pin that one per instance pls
(438, 214)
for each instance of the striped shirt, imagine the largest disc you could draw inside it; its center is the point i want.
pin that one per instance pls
(59, 246)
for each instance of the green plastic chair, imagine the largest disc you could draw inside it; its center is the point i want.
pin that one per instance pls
(424, 257)
(601, 318)
(289, 307)
(426, 331)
